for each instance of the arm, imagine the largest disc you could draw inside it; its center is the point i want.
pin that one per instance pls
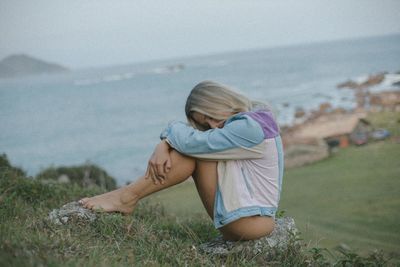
(240, 138)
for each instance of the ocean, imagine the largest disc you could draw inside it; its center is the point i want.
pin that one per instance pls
(113, 116)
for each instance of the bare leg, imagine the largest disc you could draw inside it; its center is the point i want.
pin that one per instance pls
(246, 228)
(205, 175)
(125, 198)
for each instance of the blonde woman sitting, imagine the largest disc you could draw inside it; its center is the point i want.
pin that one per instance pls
(232, 149)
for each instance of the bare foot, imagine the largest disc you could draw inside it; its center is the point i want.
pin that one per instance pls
(120, 200)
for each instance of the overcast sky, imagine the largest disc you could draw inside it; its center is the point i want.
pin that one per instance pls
(102, 32)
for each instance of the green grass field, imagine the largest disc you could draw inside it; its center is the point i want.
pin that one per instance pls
(351, 198)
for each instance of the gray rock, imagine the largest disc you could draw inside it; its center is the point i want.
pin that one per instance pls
(283, 235)
(72, 211)
(63, 179)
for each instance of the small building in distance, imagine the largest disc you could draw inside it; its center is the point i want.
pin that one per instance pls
(336, 129)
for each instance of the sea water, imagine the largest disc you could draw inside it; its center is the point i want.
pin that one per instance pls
(113, 116)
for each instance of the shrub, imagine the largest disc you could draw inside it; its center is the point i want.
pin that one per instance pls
(5, 166)
(86, 175)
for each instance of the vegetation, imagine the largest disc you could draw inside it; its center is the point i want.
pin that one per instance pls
(388, 120)
(351, 198)
(87, 175)
(148, 237)
(5, 165)
(345, 206)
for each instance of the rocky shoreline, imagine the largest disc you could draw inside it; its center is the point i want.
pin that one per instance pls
(317, 133)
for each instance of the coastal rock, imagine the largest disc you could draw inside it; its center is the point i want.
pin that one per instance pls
(387, 100)
(372, 80)
(325, 107)
(348, 84)
(299, 113)
(283, 236)
(72, 211)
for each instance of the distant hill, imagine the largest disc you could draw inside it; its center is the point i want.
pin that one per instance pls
(23, 65)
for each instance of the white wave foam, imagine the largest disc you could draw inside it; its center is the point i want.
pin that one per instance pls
(107, 78)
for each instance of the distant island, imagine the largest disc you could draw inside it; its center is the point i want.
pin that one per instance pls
(23, 65)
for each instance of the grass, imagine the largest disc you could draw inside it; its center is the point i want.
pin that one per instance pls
(388, 120)
(150, 237)
(353, 196)
(351, 199)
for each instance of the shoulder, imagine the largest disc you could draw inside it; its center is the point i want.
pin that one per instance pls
(263, 118)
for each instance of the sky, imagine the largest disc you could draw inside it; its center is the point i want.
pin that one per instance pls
(90, 33)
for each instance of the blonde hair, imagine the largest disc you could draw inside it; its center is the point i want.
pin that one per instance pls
(217, 101)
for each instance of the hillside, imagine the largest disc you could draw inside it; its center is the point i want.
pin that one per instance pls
(148, 237)
(24, 65)
(348, 200)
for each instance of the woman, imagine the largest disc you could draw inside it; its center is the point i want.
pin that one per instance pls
(233, 151)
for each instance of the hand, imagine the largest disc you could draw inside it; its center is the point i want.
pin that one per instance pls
(159, 163)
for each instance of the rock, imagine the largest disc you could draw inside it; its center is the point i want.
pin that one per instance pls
(348, 84)
(300, 112)
(325, 107)
(388, 100)
(339, 111)
(63, 179)
(72, 211)
(372, 80)
(283, 235)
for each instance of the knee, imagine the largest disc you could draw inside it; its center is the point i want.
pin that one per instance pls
(179, 160)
